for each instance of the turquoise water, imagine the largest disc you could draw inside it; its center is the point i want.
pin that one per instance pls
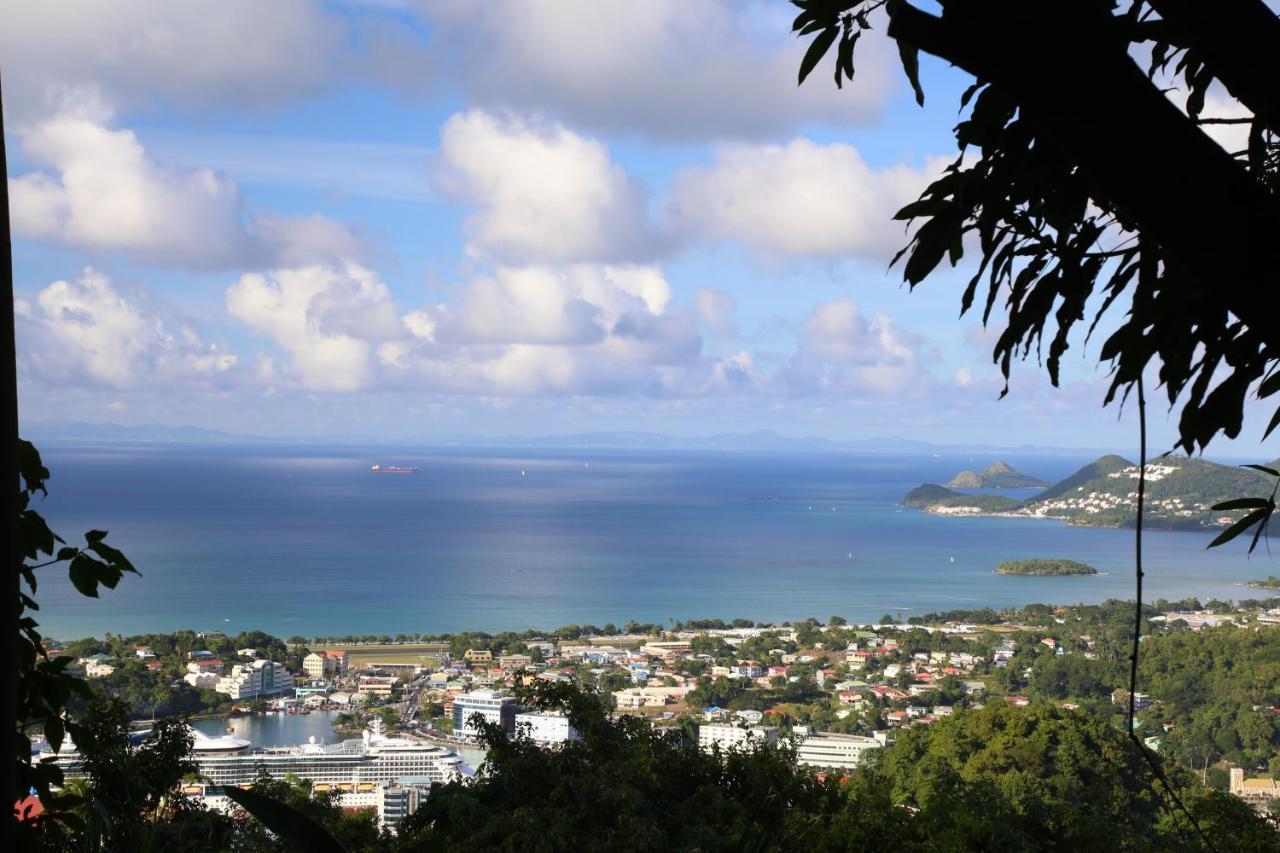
(308, 541)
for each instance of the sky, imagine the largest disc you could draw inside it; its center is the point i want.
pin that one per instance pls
(405, 220)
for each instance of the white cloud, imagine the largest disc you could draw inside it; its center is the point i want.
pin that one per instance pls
(101, 191)
(802, 199)
(544, 193)
(324, 317)
(520, 332)
(88, 331)
(843, 352)
(665, 68)
(244, 53)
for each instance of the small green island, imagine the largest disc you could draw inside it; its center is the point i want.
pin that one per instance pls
(1272, 582)
(1044, 568)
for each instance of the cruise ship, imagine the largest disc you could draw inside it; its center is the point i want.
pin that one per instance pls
(356, 769)
(394, 469)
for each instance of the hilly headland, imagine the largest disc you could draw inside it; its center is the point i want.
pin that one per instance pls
(1181, 493)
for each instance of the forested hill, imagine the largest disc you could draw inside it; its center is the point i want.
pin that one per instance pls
(1181, 492)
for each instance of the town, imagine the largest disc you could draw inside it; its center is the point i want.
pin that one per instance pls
(830, 692)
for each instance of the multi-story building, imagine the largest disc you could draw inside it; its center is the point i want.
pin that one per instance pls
(728, 736)
(492, 705)
(254, 680)
(322, 664)
(834, 751)
(478, 656)
(202, 680)
(398, 801)
(376, 685)
(545, 729)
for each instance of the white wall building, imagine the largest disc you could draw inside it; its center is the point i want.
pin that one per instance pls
(252, 680)
(833, 751)
(728, 736)
(546, 729)
(202, 680)
(492, 705)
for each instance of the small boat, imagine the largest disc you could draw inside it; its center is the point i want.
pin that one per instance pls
(953, 559)
(521, 472)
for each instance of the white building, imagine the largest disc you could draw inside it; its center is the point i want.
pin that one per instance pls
(546, 729)
(728, 736)
(833, 751)
(202, 680)
(98, 669)
(252, 680)
(492, 705)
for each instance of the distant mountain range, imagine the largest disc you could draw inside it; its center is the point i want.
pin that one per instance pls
(997, 475)
(760, 440)
(1181, 492)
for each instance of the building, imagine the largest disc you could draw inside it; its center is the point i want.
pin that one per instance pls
(668, 649)
(376, 685)
(323, 664)
(478, 656)
(98, 669)
(833, 751)
(254, 680)
(144, 652)
(727, 736)
(514, 662)
(202, 680)
(398, 801)
(545, 729)
(213, 665)
(491, 705)
(1263, 792)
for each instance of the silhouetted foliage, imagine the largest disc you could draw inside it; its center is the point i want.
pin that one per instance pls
(1082, 187)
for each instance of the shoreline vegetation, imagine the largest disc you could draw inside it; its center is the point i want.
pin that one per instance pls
(1044, 568)
(1271, 582)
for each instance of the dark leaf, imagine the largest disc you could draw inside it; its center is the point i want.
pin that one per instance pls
(1242, 503)
(1255, 517)
(1264, 469)
(296, 829)
(821, 44)
(911, 65)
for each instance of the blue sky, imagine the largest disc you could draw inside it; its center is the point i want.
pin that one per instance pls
(403, 220)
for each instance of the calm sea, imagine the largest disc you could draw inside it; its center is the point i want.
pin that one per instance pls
(308, 541)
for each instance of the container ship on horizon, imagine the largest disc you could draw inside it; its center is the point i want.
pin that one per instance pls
(394, 469)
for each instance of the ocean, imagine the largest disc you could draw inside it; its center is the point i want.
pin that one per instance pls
(308, 541)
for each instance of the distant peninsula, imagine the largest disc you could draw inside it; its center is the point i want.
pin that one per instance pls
(1044, 568)
(1181, 493)
(997, 475)
(1272, 582)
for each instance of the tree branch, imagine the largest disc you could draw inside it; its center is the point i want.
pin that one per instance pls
(1240, 41)
(1066, 64)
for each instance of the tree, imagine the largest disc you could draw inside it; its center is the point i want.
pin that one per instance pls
(1084, 187)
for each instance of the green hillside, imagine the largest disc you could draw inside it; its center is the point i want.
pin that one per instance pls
(1181, 492)
(1100, 467)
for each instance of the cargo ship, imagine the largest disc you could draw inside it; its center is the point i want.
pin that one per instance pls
(394, 469)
